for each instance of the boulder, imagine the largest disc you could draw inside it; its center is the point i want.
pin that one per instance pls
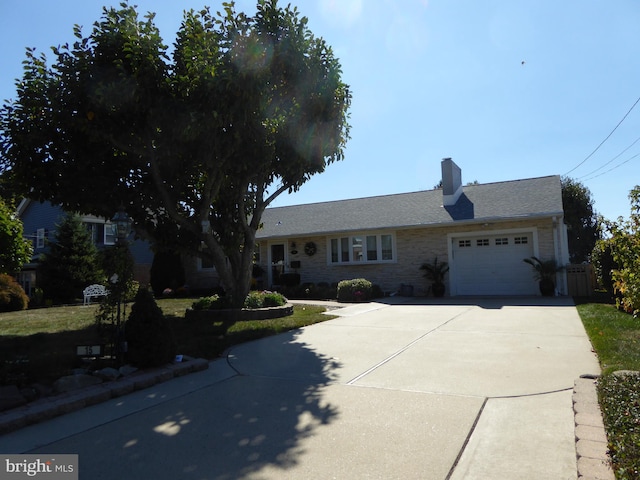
(74, 382)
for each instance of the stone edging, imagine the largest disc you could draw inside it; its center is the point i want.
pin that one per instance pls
(591, 438)
(245, 314)
(50, 407)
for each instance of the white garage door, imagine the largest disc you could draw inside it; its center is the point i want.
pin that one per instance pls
(493, 265)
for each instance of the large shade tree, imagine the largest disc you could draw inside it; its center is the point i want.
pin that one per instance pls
(195, 144)
(583, 226)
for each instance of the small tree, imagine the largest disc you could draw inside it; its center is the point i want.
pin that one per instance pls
(15, 251)
(148, 333)
(583, 226)
(71, 262)
(625, 249)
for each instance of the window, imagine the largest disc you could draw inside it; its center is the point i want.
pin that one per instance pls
(521, 240)
(109, 234)
(40, 234)
(482, 242)
(372, 248)
(464, 243)
(361, 249)
(502, 241)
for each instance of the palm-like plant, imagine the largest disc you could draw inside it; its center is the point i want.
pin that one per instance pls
(435, 272)
(544, 271)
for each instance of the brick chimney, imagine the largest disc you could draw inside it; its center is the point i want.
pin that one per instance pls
(451, 182)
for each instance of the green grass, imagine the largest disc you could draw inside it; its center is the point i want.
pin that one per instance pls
(39, 345)
(615, 337)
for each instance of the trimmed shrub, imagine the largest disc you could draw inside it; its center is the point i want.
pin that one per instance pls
(213, 302)
(356, 290)
(255, 299)
(273, 299)
(12, 296)
(148, 333)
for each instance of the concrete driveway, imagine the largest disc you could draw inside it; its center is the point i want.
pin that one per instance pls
(463, 389)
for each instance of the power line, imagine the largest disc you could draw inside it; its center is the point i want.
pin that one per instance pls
(613, 168)
(607, 138)
(610, 161)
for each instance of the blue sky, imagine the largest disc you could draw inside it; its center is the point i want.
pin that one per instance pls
(441, 78)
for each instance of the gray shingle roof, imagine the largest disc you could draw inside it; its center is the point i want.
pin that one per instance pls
(491, 201)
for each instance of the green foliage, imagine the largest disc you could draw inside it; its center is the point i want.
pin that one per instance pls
(167, 271)
(12, 296)
(604, 264)
(214, 302)
(148, 333)
(70, 264)
(15, 251)
(620, 402)
(625, 249)
(196, 144)
(118, 265)
(255, 299)
(583, 225)
(263, 299)
(615, 336)
(435, 271)
(355, 290)
(544, 270)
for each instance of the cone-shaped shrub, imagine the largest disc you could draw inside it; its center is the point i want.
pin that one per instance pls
(148, 333)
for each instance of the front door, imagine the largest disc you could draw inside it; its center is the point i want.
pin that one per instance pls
(277, 263)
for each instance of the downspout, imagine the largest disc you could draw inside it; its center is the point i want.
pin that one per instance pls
(559, 256)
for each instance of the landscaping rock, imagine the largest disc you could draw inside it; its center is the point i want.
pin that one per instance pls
(127, 370)
(108, 373)
(74, 382)
(625, 373)
(10, 397)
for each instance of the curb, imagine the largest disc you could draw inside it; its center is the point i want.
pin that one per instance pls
(591, 439)
(50, 407)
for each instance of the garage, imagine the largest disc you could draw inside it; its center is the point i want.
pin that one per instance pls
(492, 264)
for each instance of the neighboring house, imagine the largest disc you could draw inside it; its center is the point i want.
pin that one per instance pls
(39, 225)
(483, 231)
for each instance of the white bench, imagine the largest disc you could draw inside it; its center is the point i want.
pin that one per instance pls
(94, 291)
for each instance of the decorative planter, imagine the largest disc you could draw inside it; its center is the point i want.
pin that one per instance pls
(438, 289)
(226, 315)
(547, 288)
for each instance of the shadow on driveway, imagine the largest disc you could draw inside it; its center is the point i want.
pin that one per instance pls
(228, 430)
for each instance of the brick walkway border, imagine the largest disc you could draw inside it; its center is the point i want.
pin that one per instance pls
(591, 438)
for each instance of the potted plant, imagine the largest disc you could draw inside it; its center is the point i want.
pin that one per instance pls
(544, 271)
(435, 272)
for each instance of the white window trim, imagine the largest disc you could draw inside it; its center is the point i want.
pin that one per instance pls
(108, 225)
(40, 236)
(363, 235)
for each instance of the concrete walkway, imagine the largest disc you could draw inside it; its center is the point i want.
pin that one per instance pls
(477, 389)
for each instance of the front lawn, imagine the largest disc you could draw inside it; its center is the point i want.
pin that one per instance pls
(39, 345)
(615, 336)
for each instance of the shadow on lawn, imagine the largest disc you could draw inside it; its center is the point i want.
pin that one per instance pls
(251, 423)
(42, 357)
